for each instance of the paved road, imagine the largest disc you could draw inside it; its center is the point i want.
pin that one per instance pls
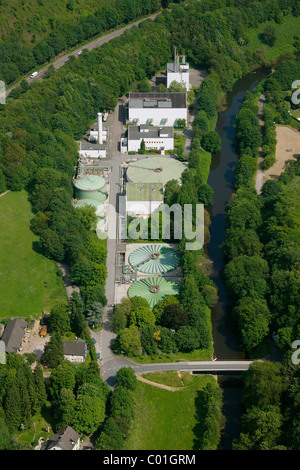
(61, 60)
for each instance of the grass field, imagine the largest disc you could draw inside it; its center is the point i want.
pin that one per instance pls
(29, 282)
(167, 420)
(285, 37)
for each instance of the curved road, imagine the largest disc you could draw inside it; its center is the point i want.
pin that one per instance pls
(61, 60)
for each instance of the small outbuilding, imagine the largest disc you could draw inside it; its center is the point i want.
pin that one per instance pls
(75, 351)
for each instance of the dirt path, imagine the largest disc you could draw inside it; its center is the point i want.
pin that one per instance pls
(155, 384)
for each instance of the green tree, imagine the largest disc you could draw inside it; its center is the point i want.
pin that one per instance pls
(253, 318)
(94, 315)
(12, 403)
(269, 35)
(89, 414)
(63, 376)
(59, 319)
(53, 353)
(121, 403)
(211, 142)
(4, 435)
(126, 378)
(176, 87)
(129, 340)
(65, 408)
(264, 384)
(174, 316)
(111, 437)
(77, 319)
(187, 338)
(40, 385)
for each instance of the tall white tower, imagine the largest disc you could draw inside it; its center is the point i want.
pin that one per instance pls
(100, 138)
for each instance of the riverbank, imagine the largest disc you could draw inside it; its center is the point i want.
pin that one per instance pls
(287, 148)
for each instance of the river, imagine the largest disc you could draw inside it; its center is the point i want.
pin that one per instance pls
(225, 334)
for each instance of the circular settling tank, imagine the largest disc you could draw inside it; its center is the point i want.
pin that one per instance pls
(155, 170)
(153, 289)
(90, 187)
(154, 259)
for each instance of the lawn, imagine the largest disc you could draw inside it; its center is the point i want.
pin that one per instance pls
(285, 37)
(29, 282)
(167, 420)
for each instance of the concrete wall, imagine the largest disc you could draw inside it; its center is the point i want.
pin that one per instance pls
(158, 144)
(183, 78)
(141, 208)
(158, 115)
(93, 153)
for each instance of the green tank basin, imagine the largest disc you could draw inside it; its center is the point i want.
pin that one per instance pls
(155, 170)
(153, 289)
(90, 187)
(154, 259)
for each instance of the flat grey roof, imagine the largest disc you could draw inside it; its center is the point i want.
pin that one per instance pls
(157, 100)
(140, 132)
(91, 146)
(174, 68)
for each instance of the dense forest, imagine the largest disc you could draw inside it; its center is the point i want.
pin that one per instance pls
(262, 236)
(38, 35)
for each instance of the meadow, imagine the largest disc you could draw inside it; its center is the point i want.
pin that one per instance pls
(29, 282)
(168, 420)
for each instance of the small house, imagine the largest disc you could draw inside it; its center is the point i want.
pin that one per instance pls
(65, 439)
(75, 351)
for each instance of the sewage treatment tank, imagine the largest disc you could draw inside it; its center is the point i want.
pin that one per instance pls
(154, 259)
(153, 289)
(90, 187)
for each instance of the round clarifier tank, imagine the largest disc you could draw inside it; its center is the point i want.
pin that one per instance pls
(155, 170)
(154, 259)
(153, 289)
(90, 187)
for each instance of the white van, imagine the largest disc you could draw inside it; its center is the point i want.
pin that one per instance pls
(34, 74)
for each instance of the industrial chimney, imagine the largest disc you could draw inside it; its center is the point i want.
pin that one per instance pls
(100, 128)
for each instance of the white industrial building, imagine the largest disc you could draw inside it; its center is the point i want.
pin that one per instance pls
(143, 199)
(178, 71)
(155, 138)
(95, 147)
(157, 109)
